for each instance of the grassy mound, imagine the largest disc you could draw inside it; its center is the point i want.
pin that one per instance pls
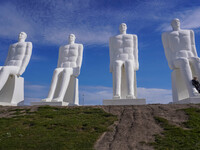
(54, 128)
(177, 138)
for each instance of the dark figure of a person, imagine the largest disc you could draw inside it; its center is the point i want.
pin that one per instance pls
(196, 84)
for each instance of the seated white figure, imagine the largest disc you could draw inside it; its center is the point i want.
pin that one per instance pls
(180, 51)
(16, 62)
(123, 63)
(69, 65)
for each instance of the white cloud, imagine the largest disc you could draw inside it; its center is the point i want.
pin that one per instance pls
(12, 23)
(154, 95)
(189, 20)
(95, 95)
(50, 22)
(34, 92)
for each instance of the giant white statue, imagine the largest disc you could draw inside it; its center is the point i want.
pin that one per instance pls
(64, 85)
(11, 84)
(180, 51)
(123, 50)
(124, 63)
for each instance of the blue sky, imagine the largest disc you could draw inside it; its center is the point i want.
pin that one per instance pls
(49, 22)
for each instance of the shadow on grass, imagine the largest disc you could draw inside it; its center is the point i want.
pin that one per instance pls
(54, 128)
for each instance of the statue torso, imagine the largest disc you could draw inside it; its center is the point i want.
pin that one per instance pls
(180, 43)
(123, 47)
(69, 55)
(16, 54)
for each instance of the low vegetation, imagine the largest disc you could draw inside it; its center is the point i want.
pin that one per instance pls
(173, 137)
(53, 128)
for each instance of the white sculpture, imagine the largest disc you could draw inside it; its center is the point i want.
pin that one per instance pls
(124, 63)
(64, 81)
(180, 51)
(11, 84)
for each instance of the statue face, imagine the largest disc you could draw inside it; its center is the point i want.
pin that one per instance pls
(72, 38)
(175, 23)
(22, 35)
(123, 27)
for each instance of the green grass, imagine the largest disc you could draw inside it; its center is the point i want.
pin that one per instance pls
(54, 128)
(177, 138)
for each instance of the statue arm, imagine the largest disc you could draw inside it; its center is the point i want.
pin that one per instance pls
(8, 57)
(79, 60)
(135, 51)
(59, 58)
(111, 54)
(167, 50)
(26, 58)
(193, 47)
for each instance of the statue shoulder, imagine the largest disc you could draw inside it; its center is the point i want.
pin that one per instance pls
(165, 33)
(14, 44)
(29, 44)
(112, 37)
(191, 32)
(80, 46)
(134, 36)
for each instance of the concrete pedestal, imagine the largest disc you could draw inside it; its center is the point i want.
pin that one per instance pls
(191, 100)
(124, 102)
(12, 93)
(53, 103)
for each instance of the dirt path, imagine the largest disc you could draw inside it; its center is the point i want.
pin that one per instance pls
(136, 125)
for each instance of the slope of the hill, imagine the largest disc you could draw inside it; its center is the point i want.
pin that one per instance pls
(143, 127)
(137, 126)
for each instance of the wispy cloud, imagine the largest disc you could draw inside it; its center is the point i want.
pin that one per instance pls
(189, 19)
(34, 92)
(93, 95)
(154, 95)
(93, 22)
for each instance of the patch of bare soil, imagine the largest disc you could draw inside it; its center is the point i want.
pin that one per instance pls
(136, 125)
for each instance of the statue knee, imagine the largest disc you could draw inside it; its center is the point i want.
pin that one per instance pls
(67, 71)
(129, 62)
(56, 71)
(4, 69)
(195, 59)
(118, 63)
(183, 62)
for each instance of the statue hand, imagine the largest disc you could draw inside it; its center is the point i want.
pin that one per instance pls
(21, 71)
(196, 59)
(137, 67)
(111, 68)
(76, 71)
(171, 66)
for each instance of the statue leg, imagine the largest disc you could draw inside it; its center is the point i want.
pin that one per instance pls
(130, 78)
(5, 72)
(117, 79)
(185, 69)
(53, 85)
(196, 63)
(67, 72)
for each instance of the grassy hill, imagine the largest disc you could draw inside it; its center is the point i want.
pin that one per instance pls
(170, 127)
(46, 128)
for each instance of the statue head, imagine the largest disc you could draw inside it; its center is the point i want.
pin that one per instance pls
(71, 38)
(22, 36)
(123, 28)
(175, 24)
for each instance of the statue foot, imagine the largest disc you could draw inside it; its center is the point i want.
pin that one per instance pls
(196, 94)
(116, 97)
(46, 100)
(130, 97)
(57, 100)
